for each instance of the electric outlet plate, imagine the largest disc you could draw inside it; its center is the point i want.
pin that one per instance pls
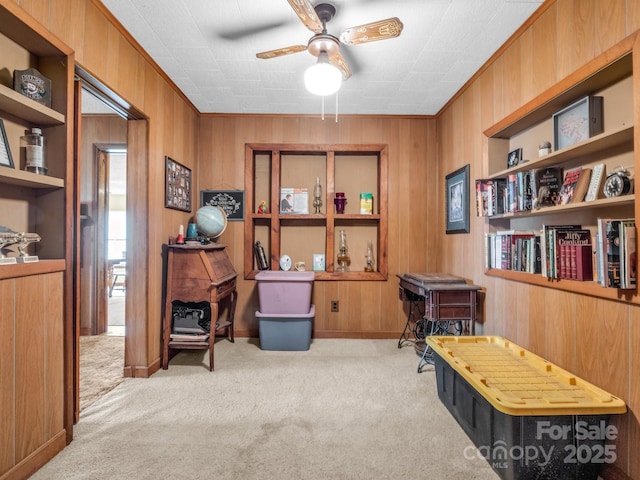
(335, 306)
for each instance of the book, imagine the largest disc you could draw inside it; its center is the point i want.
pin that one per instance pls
(582, 185)
(566, 251)
(574, 186)
(584, 263)
(294, 200)
(628, 260)
(612, 242)
(595, 183)
(549, 181)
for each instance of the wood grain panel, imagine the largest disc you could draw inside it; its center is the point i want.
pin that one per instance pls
(633, 400)
(633, 16)
(64, 13)
(582, 24)
(512, 78)
(588, 319)
(564, 63)
(53, 353)
(7, 377)
(95, 46)
(610, 22)
(544, 52)
(560, 327)
(527, 62)
(29, 367)
(537, 323)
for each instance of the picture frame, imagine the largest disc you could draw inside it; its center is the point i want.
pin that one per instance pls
(177, 185)
(457, 201)
(231, 201)
(6, 160)
(578, 122)
(514, 157)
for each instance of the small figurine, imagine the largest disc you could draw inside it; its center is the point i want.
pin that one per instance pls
(263, 207)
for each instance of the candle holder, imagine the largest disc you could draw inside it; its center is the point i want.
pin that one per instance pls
(344, 260)
(317, 195)
(340, 201)
(369, 260)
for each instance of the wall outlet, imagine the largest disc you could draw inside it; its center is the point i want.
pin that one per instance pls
(335, 306)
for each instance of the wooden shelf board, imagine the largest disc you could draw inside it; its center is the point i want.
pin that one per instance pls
(20, 106)
(601, 203)
(585, 288)
(28, 269)
(597, 143)
(27, 179)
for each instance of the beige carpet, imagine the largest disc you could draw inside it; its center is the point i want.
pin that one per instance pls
(101, 366)
(345, 409)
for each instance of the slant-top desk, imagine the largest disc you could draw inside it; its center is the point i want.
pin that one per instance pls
(439, 304)
(197, 273)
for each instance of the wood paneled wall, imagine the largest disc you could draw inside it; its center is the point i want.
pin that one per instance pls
(368, 309)
(111, 56)
(598, 340)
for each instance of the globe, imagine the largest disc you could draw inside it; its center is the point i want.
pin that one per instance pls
(211, 221)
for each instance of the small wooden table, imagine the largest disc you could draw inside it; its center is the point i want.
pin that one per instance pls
(440, 304)
(197, 273)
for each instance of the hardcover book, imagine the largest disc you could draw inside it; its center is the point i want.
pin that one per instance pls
(549, 181)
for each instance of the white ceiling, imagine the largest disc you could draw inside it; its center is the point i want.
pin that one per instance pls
(208, 47)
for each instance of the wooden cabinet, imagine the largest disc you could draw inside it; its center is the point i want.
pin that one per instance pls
(36, 410)
(610, 76)
(351, 169)
(200, 273)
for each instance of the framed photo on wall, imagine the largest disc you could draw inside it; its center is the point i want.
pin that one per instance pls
(6, 159)
(177, 185)
(457, 201)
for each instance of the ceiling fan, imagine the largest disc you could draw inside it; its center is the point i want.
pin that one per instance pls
(325, 46)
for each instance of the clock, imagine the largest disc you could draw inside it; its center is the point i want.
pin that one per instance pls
(285, 263)
(617, 183)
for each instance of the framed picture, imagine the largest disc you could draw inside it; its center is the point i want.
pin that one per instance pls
(177, 185)
(457, 201)
(577, 122)
(514, 157)
(231, 201)
(6, 159)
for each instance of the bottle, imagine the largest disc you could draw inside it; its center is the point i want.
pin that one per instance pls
(34, 145)
(369, 260)
(344, 260)
(261, 258)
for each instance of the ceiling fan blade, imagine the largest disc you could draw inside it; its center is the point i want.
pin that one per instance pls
(307, 14)
(371, 32)
(281, 51)
(338, 60)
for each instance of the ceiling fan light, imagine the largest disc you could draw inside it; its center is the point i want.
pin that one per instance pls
(323, 79)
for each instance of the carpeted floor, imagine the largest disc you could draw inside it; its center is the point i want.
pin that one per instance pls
(345, 409)
(101, 366)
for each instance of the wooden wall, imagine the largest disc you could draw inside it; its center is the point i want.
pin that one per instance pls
(112, 57)
(598, 340)
(368, 309)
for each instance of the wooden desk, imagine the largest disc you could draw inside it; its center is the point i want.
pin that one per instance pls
(439, 304)
(195, 274)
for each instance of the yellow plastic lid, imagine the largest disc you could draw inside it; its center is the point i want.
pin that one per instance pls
(518, 382)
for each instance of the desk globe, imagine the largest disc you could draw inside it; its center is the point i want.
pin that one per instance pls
(211, 221)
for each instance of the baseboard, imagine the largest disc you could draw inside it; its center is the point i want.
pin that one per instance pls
(38, 458)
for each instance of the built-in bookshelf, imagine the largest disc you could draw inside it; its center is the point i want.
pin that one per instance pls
(528, 129)
(349, 169)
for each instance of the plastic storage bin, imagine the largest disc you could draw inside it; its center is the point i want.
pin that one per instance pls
(527, 417)
(284, 292)
(285, 331)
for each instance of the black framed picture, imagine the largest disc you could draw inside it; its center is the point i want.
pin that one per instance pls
(177, 185)
(514, 157)
(6, 159)
(457, 201)
(231, 201)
